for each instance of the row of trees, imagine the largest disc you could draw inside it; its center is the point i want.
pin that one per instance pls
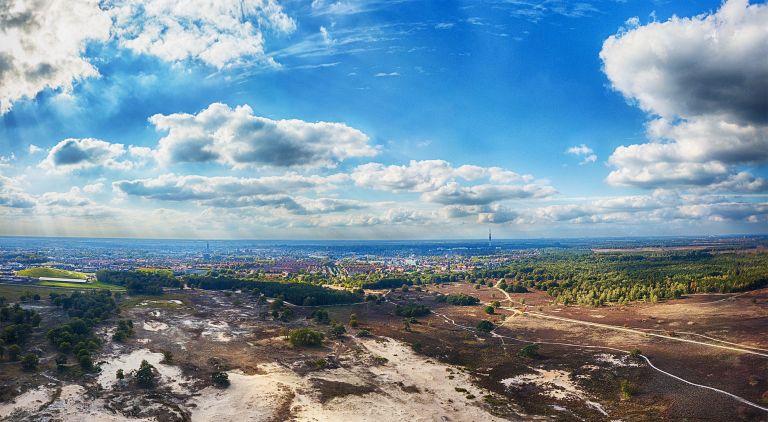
(143, 281)
(296, 293)
(459, 299)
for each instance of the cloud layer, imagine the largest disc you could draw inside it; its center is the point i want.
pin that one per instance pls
(706, 88)
(72, 155)
(219, 33)
(42, 43)
(239, 139)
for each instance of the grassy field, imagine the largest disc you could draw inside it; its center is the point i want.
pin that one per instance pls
(163, 302)
(80, 286)
(11, 293)
(51, 272)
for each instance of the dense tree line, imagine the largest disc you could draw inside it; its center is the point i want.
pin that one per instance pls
(459, 299)
(599, 278)
(296, 293)
(388, 283)
(145, 281)
(23, 257)
(412, 310)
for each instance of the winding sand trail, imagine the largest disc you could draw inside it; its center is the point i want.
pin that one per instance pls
(740, 349)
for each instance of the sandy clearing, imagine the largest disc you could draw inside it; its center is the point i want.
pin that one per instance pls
(170, 375)
(154, 326)
(72, 405)
(614, 360)
(217, 331)
(27, 402)
(405, 387)
(556, 384)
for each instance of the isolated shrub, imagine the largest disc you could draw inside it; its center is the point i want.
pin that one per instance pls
(13, 352)
(305, 337)
(120, 374)
(321, 316)
(145, 376)
(530, 351)
(29, 362)
(61, 363)
(485, 325)
(286, 315)
(626, 389)
(85, 362)
(220, 379)
(490, 310)
(337, 330)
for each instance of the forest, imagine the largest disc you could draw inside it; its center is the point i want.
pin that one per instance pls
(143, 281)
(296, 293)
(597, 279)
(76, 336)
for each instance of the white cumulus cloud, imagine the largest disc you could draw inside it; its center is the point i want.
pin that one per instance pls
(704, 81)
(238, 138)
(218, 33)
(75, 154)
(42, 43)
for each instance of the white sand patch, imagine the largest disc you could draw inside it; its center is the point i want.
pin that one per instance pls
(155, 326)
(174, 301)
(27, 402)
(217, 331)
(72, 405)
(619, 361)
(556, 384)
(249, 397)
(597, 406)
(432, 396)
(191, 324)
(169, 375)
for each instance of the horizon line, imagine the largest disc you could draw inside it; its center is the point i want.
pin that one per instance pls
(484, 240)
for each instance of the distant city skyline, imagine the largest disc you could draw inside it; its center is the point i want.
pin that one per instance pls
(404, 119)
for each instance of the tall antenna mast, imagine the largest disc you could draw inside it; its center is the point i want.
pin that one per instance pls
(489, 237)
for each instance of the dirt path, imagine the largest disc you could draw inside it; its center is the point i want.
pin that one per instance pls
(739, 349)
(734, 347)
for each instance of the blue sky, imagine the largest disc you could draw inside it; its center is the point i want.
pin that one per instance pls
(383, 119)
